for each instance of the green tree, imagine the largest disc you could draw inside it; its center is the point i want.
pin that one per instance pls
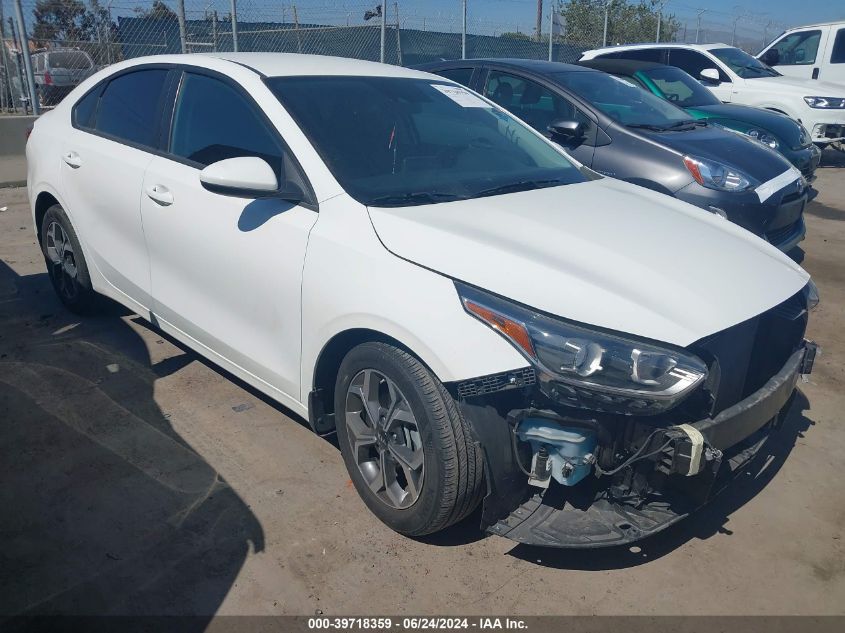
(157, 11)
(627, 23)
(58, 20)
(515, 35)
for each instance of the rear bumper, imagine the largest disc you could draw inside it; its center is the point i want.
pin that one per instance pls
(737, 432)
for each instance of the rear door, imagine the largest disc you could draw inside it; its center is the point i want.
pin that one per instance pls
(226, 271)
(104, 155)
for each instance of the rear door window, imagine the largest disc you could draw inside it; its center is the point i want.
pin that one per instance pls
(72, 60)
(693, 62)
(130, 107)
(460, 75)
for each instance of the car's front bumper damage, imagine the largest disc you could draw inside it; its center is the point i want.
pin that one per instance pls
(643, 499)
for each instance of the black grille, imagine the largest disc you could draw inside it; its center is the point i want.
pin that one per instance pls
(744, 357)
(496, 382)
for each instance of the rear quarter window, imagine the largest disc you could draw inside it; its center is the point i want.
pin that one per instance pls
(84, 110)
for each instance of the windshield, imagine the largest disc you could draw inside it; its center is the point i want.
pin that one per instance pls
(75, 60)
(743, 64)
(678, 87)
(399, 141)
(623, 100)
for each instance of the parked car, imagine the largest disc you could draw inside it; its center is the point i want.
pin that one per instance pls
(58, 71)
(412, 266)
(776, 130)
(734, 76)
(816, 51)
(618, 129)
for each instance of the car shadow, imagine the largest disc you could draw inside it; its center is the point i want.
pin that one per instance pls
(106, 509)
(708, 521)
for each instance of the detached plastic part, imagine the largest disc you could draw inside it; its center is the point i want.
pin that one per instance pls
(567, 453)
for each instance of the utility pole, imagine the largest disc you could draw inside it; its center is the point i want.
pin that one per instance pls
(698, 24)
(659, 20)
(234, 18)
(214, 31)
(183, 31)
(733, 34)
(383, 25)
(398, 36)
(463, 31)
(539, 27)
(6, 88)
(551, 26)
(606, 10)
(27, 60)
(296, 30)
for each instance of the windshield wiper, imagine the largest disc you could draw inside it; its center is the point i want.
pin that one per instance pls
(683, 125)
(647, 126)
(522, 185)
(414, 198)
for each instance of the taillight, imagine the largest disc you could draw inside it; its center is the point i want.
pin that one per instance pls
(48, 78)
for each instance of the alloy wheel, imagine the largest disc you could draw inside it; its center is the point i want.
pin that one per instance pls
(62, 261)
(385, 439)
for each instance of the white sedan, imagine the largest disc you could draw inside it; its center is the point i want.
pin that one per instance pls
(393, 256)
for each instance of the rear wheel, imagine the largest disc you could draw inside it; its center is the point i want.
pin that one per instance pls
(66, 264)
(406, 447)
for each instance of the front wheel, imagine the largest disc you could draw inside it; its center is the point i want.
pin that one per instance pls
(407, 449)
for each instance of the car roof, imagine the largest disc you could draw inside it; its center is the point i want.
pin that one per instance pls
(810, 26)
(620, 66)
(290, 64)
(632, 47)
(536, 65)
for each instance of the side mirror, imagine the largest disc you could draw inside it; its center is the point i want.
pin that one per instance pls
(243, 177)
(567, 129)
(771, 57)
(710, 76)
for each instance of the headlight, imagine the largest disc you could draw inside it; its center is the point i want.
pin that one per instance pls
(764, 137)
(825, 103)
(812, 292)
(587, 368)
(713, 175)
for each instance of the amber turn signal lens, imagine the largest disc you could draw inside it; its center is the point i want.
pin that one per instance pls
(512, 329)
(692, 167)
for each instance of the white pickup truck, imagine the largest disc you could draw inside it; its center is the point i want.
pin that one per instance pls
(816, 51)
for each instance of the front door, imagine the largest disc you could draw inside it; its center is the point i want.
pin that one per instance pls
(226, 271)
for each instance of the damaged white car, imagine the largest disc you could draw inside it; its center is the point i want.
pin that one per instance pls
(481, 319)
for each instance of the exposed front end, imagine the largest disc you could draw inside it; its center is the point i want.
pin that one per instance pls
(605, 440)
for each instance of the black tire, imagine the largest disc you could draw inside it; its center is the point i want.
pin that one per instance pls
(452, 484)
(75, 292)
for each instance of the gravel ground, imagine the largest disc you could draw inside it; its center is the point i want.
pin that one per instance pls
(135, 477)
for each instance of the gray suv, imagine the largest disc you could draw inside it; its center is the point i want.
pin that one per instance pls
(58, 71)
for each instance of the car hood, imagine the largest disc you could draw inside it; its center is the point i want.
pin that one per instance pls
(785, 128)
(604, 253)
(723, 146)
(796, 86)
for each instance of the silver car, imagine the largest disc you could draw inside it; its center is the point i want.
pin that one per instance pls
(59, 71)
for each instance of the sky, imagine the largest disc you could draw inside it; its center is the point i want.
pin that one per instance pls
(788, 12)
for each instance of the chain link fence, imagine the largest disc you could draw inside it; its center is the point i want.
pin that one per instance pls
(405, 32)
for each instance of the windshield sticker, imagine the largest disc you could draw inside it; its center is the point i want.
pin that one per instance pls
(462, 97)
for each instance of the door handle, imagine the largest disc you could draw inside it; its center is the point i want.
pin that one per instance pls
(72, 159)
(816, 73)
(160, 194)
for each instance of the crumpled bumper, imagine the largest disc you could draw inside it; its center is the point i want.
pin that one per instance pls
(739, 432)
